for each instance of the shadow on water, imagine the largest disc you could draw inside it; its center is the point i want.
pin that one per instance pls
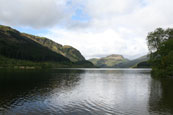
(161, 96)
(85, 92)
(19, 86)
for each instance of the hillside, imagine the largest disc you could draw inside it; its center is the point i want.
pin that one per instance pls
(144, 64)
(109, 61)
(19, 46)
(133, 63)
(26, 64)
(14, 45)
(118, 61)
(68, 51)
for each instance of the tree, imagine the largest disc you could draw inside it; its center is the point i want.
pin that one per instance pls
(160, 44)
(155, 38)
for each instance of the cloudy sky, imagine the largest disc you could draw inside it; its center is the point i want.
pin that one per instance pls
(96, 27)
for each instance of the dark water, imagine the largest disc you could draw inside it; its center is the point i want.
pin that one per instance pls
(84, 92)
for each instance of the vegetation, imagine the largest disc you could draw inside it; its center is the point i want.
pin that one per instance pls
(143, 64)
(14, 45)
(118, 61)
(160, 44)
(19, 50)
(134, 63)
(68, 51)
(24, 64)
(109, 61)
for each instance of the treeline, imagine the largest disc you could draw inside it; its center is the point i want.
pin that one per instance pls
(160, 44)
(24, 64)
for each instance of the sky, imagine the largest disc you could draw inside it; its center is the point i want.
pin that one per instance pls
(97, 28)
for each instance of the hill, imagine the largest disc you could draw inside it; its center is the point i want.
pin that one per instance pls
(118, 61)
(21, 46)
(144, 64)
(68, 51)
(108, 61)
(134, 63)
(14, 45)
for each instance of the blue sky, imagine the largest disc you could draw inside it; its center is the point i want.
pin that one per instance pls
(30, 30)
(79, 16)
(95, 27)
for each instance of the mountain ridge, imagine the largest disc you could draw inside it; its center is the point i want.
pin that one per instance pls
(108, 61)
(133, 63)
(22, 46)
(67, 51)
(118, 61)
(13, 45)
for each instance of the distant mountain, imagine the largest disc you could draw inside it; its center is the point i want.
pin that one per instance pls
(109, 61)
(118, 61)
(134, 63)
(21, 46)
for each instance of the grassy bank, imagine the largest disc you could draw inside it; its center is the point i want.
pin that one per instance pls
(22, 64)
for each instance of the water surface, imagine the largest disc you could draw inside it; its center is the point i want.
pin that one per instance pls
(85, 92)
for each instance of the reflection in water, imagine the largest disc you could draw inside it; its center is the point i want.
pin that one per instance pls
(83, 91)
(161, 97)
(19, 88)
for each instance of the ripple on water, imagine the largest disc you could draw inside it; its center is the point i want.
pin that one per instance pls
(87, 92)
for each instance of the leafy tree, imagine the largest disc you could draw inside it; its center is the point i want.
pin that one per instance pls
(160, 44)
(156, 38)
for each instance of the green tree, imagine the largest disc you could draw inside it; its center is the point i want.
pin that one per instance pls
(160, 44)
(157, 37)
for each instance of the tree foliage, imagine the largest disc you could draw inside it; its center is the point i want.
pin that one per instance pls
(160, 44)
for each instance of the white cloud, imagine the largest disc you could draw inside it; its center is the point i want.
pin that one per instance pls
(113, 27)
(117, 27)
(33, 13)
(100, 43)
(109, 8)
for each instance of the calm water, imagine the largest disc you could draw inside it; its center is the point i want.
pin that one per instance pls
(85, 92)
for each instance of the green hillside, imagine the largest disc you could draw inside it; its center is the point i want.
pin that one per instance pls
(68, 51)
(25, 64)
(14, 45)
(132, 63)
(21, 49)
(144, 64)
(118, 61)
(109, 61)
